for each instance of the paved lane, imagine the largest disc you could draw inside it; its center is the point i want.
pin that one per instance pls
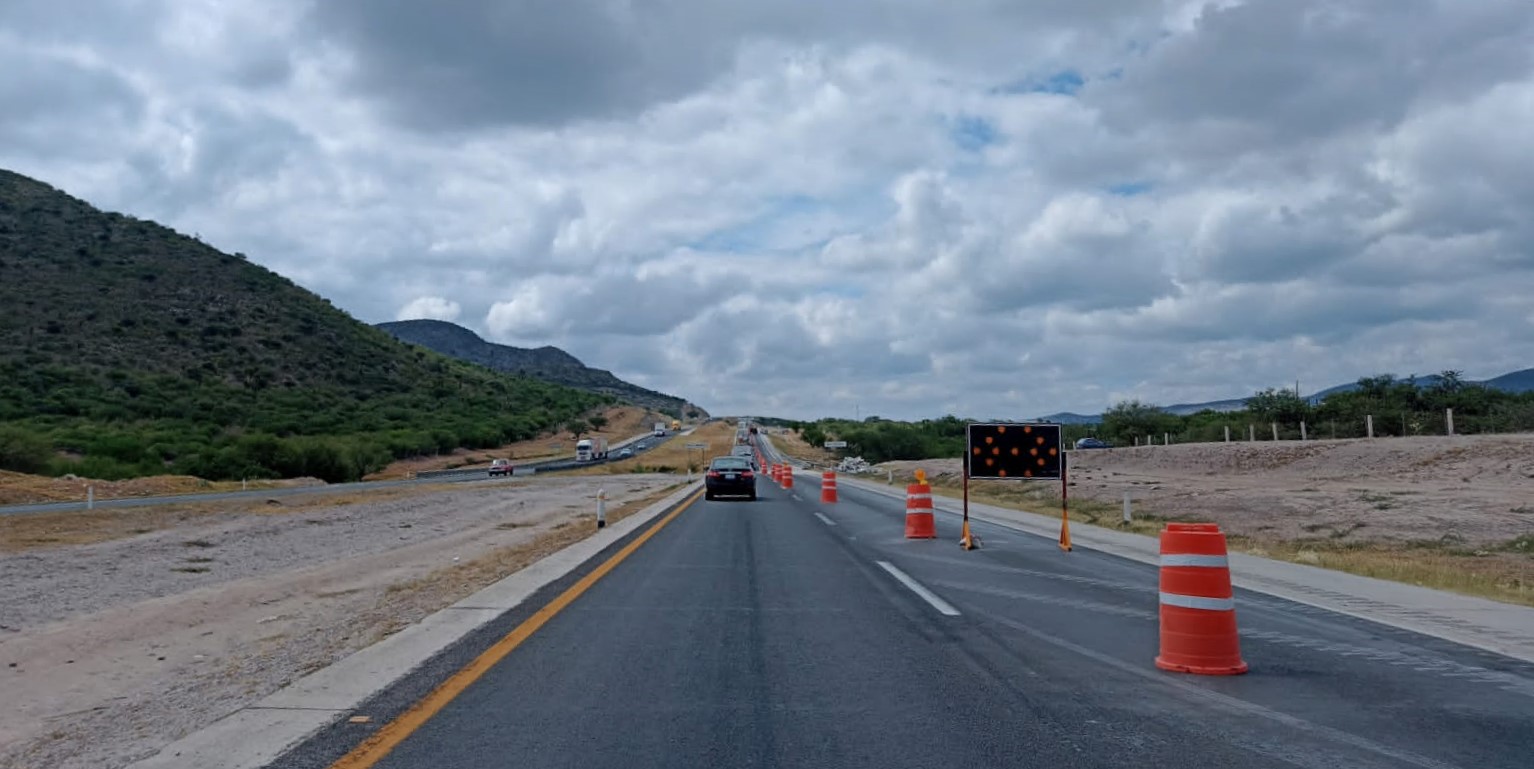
(768, 634)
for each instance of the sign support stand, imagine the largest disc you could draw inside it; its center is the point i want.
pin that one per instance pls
(1065, 517)
(967, 539)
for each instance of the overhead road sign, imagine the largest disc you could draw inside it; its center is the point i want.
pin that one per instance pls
(836, 444)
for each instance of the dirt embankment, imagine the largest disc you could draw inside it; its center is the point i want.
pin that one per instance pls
(1474, 491)
(112, 648)
(21, 489)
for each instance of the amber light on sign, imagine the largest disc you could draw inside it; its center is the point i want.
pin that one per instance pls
(1030, 452)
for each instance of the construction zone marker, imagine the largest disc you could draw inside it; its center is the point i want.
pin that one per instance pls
(919, 521)
(1198, 607)
(828, 487)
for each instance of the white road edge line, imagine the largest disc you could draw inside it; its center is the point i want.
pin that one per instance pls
(825, 520)
(941, 605)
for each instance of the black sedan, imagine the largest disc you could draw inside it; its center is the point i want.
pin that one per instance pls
(729, 476)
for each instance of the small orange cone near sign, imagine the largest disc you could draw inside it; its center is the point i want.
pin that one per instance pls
(1065, 532)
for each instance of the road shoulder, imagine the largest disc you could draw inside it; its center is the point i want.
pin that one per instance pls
(257, 735)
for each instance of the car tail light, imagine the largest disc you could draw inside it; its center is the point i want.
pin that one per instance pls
(713, 473)
(746, 474)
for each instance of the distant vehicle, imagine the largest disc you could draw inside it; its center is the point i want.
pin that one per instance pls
(660, 430)
(500, 467)
(676, 424)
(729, 476)
(625, 453)
(1093, 443)
(591, 449)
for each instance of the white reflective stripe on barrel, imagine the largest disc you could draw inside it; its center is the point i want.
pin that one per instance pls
(918, 496)
(1198, 602)
(1214, 561)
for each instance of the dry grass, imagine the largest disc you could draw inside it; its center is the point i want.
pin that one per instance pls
(623, 422)
(1505, 573)
(22, 489)
(673, 455)
(41, 530)
(1501, 575)
(790, 443)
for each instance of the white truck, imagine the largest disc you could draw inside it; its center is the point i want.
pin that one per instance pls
(660, 430)
(591, 449)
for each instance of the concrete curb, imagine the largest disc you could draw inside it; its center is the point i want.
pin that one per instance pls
(259, 734)
(1506, 629)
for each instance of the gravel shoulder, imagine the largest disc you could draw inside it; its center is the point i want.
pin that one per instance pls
(111, 649)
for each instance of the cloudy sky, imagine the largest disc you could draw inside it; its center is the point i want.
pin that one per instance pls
(807, 208)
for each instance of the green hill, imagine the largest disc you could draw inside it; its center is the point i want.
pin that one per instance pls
(128, 349)
(550, 364)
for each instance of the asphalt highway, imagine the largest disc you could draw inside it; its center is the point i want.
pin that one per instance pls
(790, 633)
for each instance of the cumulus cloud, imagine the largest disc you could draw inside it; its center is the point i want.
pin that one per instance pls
(430, 307)
(812, 208)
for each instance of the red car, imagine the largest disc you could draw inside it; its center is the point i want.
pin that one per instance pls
(500, 467)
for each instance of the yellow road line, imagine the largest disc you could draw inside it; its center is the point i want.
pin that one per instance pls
(373, 749)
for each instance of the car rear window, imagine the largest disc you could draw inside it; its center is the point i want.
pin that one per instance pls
(731, 463)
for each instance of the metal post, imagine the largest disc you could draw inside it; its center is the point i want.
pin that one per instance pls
(1251, 433)
(601, 508)
(965, 470)
(1166, 439)
(1065, 507)
(1126, 507)
(90, 497)
(1275, 430)
(1369, 424)
(1227, 433)
(1449, 415)
(1303, 435)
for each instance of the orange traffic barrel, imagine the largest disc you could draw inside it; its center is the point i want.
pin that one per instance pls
(828, 486)
(919, 522)
(777, 473)
(1198, 607)
(788, 476)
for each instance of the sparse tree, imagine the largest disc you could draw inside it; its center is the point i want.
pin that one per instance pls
(1274, 405)
(577, 428)
(1132, 419)
(597, 422)
(1451, 381)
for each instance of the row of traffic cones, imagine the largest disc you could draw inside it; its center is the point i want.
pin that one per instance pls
(1198, 631)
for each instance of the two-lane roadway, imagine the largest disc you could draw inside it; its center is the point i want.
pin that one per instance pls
(784, 632)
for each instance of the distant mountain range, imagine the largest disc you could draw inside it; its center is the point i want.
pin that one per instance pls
(1513, 382)
(547, 363)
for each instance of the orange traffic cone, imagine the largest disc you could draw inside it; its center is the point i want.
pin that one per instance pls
(788, 476)
(828, 486)
(919, 522)
(1198, 608)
